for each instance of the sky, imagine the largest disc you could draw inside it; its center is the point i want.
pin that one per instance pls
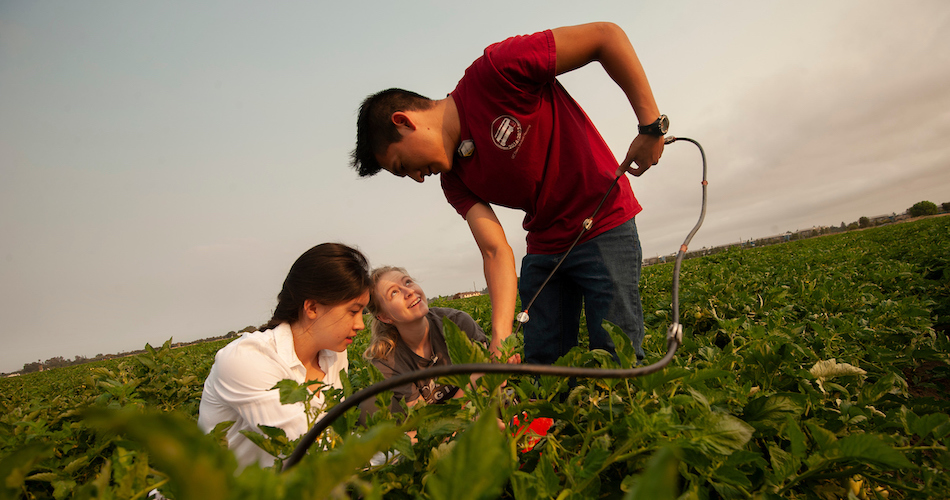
(162, 164)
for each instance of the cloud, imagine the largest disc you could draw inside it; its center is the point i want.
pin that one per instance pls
(858, 132)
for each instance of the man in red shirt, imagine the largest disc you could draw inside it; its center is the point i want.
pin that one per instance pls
(509, 134)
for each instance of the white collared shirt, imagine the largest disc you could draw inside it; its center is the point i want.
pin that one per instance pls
(238, 389)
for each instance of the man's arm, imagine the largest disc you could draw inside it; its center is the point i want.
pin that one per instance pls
(499, 264)
(607, 43)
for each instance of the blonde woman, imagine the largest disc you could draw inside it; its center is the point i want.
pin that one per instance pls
(407, 334)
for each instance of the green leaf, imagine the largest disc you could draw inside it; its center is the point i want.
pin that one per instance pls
(923, 426)
(292, 392)
(220, 432)
(824, 439)
(624, 349)
(73, 466)
(273, 447)
(48, 477)
(526, 485)
(723, 434)
(884, 385)
(477, 467)
(347, 385)
(659, 480)
(404, 446)
(866, 447)
(797, 438)
(273, 432)
(63, 489)
(783, 464)
(767, 414)
(731, 475)
(545, 471)
(461, 351)
(147, 362)
(593, 462)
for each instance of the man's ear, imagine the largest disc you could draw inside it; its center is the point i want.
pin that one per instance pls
(403, 119)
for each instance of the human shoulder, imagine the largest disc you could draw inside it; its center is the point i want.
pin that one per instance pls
(256, 359)
(525, 60)
(248, 345)
(388, 365)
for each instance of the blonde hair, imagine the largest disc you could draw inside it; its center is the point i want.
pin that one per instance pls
(384, 336)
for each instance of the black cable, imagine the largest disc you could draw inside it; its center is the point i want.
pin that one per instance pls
(683, 248)
(674, 338)
(588, 223)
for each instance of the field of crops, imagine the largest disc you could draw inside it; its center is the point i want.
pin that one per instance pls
(812, 369)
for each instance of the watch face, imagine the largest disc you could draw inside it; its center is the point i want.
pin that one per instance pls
(659, 127)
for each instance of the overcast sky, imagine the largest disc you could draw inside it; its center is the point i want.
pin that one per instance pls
(162, 164)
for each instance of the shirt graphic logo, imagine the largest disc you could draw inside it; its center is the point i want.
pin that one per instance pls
(506, 132)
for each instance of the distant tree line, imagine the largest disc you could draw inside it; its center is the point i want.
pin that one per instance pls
(59, 361)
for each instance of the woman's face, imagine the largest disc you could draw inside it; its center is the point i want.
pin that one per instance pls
(339, 324)
(401, 300)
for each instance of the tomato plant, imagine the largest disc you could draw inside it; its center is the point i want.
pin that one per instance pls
(816, 368)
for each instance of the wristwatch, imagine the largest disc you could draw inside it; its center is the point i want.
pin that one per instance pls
(659, 127)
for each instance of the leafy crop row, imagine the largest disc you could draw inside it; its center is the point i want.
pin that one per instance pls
(812, 369)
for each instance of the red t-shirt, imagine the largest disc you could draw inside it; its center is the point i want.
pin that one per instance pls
(535, 148)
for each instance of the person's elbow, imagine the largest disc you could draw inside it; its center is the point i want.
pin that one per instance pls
(608, 29)
(496, 250)
(610, 34)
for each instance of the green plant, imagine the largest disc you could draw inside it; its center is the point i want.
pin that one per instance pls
(808, 368)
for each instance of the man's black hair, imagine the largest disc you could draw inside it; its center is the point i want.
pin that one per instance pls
(375, 130)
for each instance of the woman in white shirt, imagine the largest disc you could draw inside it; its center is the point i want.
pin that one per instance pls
(319, 312)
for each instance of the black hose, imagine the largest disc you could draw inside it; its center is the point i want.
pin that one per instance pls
(588, 223)
(674, 338)
(683, 248)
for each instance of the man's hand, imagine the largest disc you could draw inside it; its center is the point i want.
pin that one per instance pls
(497, 356)
(644, 152)
(515, 359)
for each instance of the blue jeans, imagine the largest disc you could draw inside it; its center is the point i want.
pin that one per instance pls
(603, 274)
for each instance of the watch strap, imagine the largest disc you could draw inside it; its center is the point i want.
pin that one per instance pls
(658, 127)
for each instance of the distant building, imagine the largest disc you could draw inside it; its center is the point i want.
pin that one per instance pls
(465, 295)
(878, 220)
